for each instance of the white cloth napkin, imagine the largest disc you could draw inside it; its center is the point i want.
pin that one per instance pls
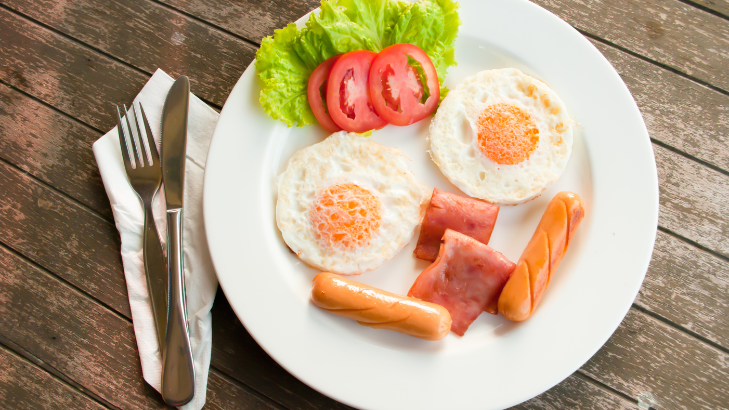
(200, 280)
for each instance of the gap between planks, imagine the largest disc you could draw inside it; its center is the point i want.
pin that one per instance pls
(108, 220)
(35, 361)
(706, 9)
(96, 50)
(598, 39)
(29, 356)
(649, 60)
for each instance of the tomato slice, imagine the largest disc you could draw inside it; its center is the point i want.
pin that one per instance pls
(403, 85)
(348, 97)
(316, 91)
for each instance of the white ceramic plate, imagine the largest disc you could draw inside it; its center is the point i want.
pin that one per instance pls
(497, 363)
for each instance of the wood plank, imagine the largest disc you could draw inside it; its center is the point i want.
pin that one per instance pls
(64, 74)
(667, 31)
(224, 394)
(87, 342)
(61, 236)
(249, 19)
(694, 200)
(52, 147)
(677, 111)
(150, 36)
(689, 287)
(577, 393)
(719, 6)
(646, 355)
(73, 334)
(25, 386)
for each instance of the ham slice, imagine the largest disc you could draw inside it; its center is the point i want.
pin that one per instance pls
(466, 278)
(471, 217)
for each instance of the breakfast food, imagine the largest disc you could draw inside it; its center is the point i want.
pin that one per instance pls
(316, 91)
(348, 98)
(541, 257)
(501, 136)
(348, 204)
(379, 309)
(468, 216)
(403, 84)
(286, 61)
(466, 279)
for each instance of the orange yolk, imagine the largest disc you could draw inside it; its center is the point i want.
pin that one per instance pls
(345, 216)
(506, 134)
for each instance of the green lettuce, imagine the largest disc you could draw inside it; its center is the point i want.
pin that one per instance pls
(285, 61)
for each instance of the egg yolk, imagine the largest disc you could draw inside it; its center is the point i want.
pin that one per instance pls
(345, 216)
(506, 134)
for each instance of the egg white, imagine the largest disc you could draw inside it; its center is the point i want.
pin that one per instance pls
(454, 145)
(347, 158)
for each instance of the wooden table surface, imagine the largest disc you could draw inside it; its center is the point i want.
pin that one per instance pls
(66, 337)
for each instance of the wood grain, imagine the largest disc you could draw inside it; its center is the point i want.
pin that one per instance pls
(52, 147)
(71, 77)
(667, 31)
(646, 355)
(694, 200)
(72, 333)
(225, 394)
(689, 287)
(25, 386)
(62, 236)
(576, 393)
(150, 36)
(677, 111)
(251, 20)
(87, 342)
(720, 6)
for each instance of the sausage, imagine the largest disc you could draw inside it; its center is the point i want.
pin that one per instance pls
(541, 257)
(380, 309)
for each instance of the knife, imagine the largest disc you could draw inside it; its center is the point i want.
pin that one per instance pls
(178, 374)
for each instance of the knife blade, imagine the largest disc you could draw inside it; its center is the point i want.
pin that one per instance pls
(178, 375)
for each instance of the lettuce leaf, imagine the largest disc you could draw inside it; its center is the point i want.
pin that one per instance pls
(285, 61)
(285, 76)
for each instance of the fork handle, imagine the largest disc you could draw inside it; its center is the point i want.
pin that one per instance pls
(178, 374)
(155, 269)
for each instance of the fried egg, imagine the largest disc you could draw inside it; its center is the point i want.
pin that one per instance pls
(347, 204)
(501, 136)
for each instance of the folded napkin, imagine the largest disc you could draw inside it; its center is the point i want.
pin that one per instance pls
(200, 281)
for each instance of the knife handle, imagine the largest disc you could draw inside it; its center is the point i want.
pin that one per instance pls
(178, 373)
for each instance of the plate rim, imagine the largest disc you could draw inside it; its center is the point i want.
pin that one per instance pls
(645, 263)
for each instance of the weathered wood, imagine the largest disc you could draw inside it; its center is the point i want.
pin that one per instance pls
(646, 355)
(61, 236)
(52, 147)
(64, 74)
(689, 287)
(249, 19)
(720, 6)
(224, 394)
(576, 393)
(677, 111)
(694, 200)
(667, 31)
(72, 333)
(150, 36)
(25, 386)
(87, 342)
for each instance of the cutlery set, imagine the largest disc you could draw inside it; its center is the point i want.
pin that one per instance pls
(146, 171)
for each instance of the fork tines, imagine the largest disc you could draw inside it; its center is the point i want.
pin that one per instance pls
(131, 143)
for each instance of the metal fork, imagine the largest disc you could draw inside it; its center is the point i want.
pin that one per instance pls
(146, 178)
